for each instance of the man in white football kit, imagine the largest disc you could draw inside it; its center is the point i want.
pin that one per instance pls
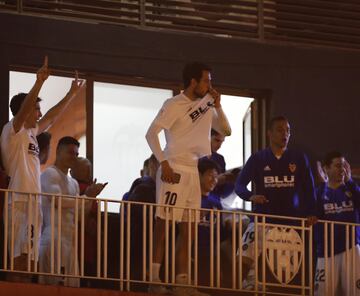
(187, 120)
(20, 155)
(55, 179)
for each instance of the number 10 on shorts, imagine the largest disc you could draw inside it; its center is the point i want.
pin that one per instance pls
(170, 198)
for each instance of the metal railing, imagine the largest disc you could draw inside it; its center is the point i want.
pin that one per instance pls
(307, 22)
(281, 247)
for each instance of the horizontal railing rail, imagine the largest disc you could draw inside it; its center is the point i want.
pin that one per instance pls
(281, 248)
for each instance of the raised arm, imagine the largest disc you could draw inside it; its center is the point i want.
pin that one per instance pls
(220, 121)
(30, 100)
(349, 182)
(51, 116)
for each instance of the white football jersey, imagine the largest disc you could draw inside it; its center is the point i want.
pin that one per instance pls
(187, 126)
(20, 155)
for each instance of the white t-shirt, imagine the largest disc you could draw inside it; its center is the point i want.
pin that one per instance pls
(187, 126)
(20, 155)
(55, 181)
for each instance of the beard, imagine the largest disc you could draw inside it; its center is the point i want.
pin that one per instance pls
(199, 94)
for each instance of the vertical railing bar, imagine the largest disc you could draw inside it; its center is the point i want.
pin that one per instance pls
(29, 232)
(240, 251)
(128, 237)
(151, 247)
(256, 236)
(76, 266)
(263, 254)
(98, 241)
(218, 221)
(144, 207)
(52, 235)
(353, 246)
(122, 238)
(347, 244)
(326, 253)
(173, 247)
(196, 254)
(211, 248)
(332, 258)
(233, 251)
(166, 244)
(303, 271)
(58, 259)
(12, 234)
(105, 259)
(189, 246)
(311, 259)
(6, 225)
(36, 239)
(82, 242)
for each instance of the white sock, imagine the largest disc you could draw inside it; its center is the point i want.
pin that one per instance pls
(182, 278)
(156, 272)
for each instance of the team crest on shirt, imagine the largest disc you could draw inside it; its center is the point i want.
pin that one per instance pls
(348, 194)
(284, 253)
(292, 167)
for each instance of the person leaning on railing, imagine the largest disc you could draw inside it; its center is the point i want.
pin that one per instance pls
(338, 198)
(55, 181)
(283, 185)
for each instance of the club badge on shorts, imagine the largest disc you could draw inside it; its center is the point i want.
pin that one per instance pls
(284, 253)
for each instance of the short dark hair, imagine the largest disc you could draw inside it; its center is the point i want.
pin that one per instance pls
(67, 141)
(147, 161)
(193, 70)
(43, 140)
(330, 156)
(275, 119)
(214, 132)
(205, 164)
(16, 102)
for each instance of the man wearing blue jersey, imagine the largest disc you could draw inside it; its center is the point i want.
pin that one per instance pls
(338, 199)
(283, 185)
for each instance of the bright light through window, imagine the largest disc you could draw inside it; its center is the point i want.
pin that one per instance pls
(122, 115)
(235, 109)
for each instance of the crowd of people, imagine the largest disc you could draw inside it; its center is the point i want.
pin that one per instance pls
(188, 173)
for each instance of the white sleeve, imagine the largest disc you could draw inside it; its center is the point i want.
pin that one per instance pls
(167, 114)
(220, 122)
(152, 137)
(163, 120)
